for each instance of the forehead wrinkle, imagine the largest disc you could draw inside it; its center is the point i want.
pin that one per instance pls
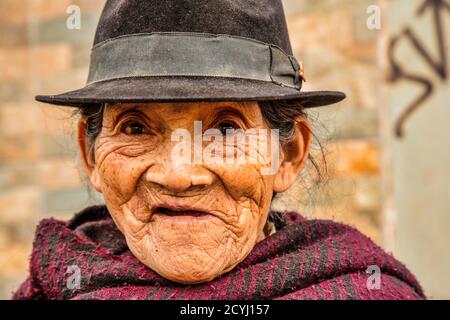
(146, 109)
(184, 115)
(120, 107)
(180, 106)
(199, 111)
(249, 115)
(182, 110)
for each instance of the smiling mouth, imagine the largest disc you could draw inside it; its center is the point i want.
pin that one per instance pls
(167, 211)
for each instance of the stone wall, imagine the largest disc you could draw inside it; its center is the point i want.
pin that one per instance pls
(39, 173)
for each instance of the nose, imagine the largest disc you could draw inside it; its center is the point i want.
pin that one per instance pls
(180, 178)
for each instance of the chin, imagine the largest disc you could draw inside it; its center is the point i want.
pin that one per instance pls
(192, 268)
(189, 278)
(189, 274)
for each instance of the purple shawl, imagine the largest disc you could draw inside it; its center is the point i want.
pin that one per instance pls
(305, 259)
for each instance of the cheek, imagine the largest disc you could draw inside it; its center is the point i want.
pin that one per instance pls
(245, 182)
(119, 176)
(121, 161)
(250, 193)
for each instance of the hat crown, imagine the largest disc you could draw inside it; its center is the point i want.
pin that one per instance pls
(262, 20)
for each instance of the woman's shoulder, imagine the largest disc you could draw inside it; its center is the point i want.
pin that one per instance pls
(92, 225)
(88, 214)
(341, 250)
(89, 241)
(52, 226)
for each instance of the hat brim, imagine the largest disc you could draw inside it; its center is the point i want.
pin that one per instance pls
(187, 89)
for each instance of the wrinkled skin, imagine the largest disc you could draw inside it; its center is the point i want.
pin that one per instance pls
(131, 165)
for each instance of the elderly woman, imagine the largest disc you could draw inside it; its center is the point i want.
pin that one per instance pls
(192, 120)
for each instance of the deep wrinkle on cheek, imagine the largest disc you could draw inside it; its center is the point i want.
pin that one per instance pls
(248, 201)
(115, 163)
(130, 148)
(121, 175)
(242, 197)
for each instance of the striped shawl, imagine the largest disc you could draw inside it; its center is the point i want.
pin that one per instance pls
(304, 259)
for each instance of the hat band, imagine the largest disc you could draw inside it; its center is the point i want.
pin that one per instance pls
(192, 54)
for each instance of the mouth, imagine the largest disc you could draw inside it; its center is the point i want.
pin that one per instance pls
(174, 211)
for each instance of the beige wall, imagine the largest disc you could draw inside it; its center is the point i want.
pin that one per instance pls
(39, 172)
(421, 157)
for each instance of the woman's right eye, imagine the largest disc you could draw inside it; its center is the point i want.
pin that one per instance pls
(134, 128)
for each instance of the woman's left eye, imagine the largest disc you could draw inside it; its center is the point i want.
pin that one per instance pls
(134, 128)
(227, 125)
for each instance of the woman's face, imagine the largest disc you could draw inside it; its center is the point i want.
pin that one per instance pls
(190, 221)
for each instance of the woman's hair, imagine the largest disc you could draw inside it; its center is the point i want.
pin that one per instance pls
(278, 114)
(283, 115)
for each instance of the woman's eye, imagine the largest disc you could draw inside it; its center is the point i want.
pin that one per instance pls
(227, 125)
(134, 128)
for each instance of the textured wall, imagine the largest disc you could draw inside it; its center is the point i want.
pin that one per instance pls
(421, 156)
(39, 174)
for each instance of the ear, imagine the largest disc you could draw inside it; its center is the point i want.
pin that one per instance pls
(87, 155)
(294, 156)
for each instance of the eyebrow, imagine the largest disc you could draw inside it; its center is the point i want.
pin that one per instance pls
(132, 109)
(118, 106)
(228, 109)
(221, 110)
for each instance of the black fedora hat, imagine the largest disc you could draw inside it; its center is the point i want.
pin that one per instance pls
(193, 50)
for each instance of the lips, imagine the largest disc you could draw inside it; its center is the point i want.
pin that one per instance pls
(168, 210)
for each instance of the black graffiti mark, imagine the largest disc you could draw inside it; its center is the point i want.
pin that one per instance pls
(397, 74)
(440, 67)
